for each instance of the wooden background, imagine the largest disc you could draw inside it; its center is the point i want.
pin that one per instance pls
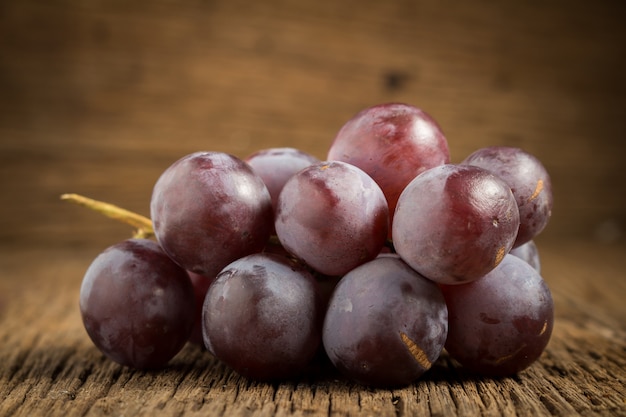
(99, 97)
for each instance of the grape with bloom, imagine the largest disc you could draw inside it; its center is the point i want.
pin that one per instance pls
(209, 209)
(262, 317)
(529, 182)
(332, 216)
(455, 223)
(385, 324)
(137, 304)
(393, 143)
(501, 323)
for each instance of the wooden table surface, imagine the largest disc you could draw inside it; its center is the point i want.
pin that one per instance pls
(48, 366)
(98, 98)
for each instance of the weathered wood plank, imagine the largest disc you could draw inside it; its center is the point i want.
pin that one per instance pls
(48, 366)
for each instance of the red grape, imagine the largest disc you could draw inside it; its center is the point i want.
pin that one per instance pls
(276, 165)
(501, 323)
(455, 223)
(529, 181)
(530, 253)
(262, 316)
(136, 304)
(333, 216)
(209, 209)
(385, 324)
(392, 143)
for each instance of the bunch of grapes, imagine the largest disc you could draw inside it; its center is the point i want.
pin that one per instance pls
(381, 256)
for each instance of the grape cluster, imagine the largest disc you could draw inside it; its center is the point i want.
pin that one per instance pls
(380, 257)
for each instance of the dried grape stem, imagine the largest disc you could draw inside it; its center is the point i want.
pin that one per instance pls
(141, 223)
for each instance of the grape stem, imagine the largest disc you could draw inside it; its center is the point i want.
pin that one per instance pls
(142, 224)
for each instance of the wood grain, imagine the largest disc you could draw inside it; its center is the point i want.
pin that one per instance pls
(48, 365)
(99, 97)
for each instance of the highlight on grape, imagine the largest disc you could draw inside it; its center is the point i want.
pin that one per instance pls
(377, 258)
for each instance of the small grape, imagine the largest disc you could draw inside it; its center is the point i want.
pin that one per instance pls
(136, 304)
(333, 216)
(501, 323)
(385, 324)
(393, 143)
(530, 253)
(209, 209)
(276, 165)
(262, 316)
(455, 223)
(529, 181)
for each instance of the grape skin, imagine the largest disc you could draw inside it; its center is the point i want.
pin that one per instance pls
(455, 223)
(393, 143)
(262, 316)
(529, 180)
(385, 324)
(333, 216)
(276, 165)
(136, 304)
(209, 209)
(529, 252)
(501, 323)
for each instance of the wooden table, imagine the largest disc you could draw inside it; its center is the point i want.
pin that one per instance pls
(48, 366)
(99, 98)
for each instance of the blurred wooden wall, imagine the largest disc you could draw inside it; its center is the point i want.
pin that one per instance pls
(98, 97)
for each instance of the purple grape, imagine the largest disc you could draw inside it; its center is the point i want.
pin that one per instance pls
(529, 181)
(136, 304)
(385, 324)
(455, 223)
(530, 253)
(262, 316)
(209, 209)
(333, 216)
(276, 165)
(393, 143)
(501, 323)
